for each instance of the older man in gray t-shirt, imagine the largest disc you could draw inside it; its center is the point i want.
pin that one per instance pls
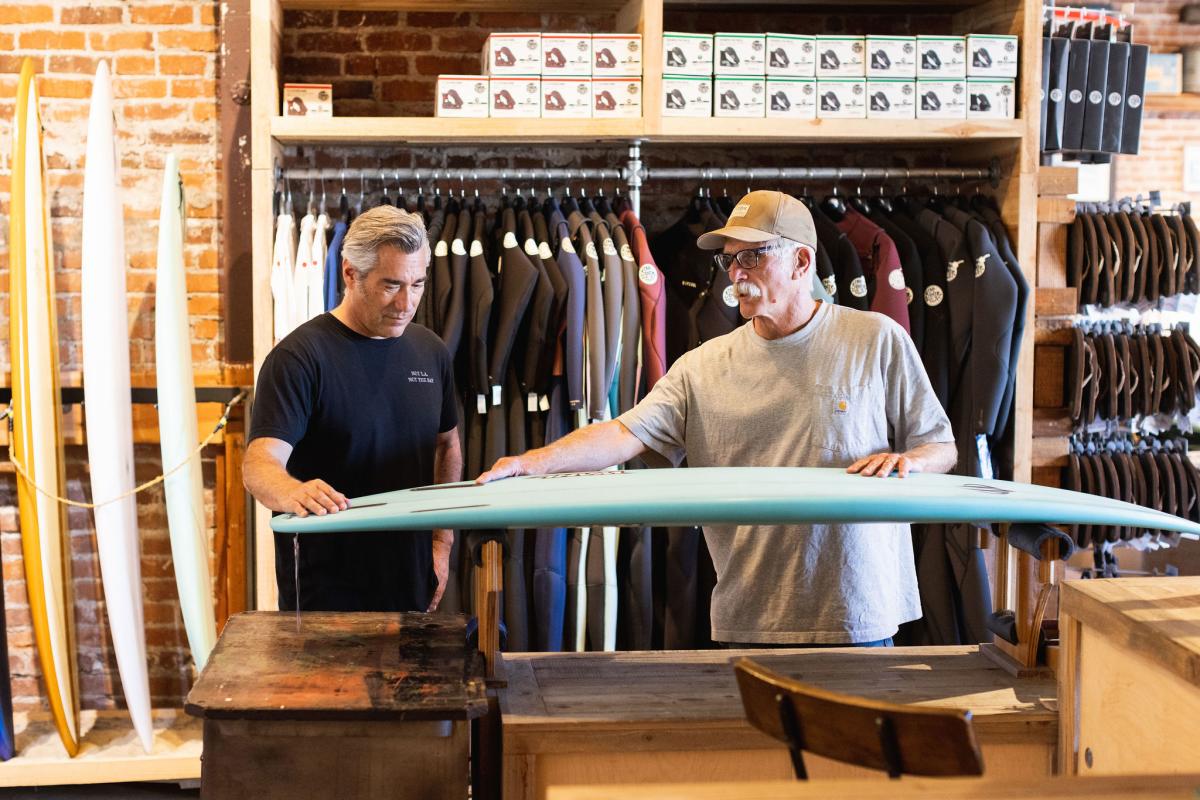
(806, 384)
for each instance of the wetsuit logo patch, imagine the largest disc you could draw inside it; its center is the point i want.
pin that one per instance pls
(648, 275)
(590, 248)
(952, 269)
(830, 285)
(544, 252)
(457, 248)
(730, 296)
(440, 250)
(476, 248)
(934, 296)
(981, 265)
(896, 279)
(626, 253)
(510, 240)
(858, 287)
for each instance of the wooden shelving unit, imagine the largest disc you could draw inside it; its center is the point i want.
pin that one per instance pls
(109, 751)
(1013, 143)
(1188, 101)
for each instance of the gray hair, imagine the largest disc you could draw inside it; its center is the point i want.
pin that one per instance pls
(788, 248)
(385, 226)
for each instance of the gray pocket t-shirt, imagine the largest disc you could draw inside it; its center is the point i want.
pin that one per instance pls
(846, 385)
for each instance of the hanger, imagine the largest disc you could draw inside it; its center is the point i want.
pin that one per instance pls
(585, 202)
(883, 203)
(857, 201)
(834, 206)
(568, 203)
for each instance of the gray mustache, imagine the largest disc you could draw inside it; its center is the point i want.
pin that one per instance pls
(747, 290)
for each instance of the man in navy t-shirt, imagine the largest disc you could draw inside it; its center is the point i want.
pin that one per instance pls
(353, 402)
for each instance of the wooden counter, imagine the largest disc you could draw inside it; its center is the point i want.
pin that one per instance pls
(346, 705)
(605, 718)
(1129, 676)
(1172, 787)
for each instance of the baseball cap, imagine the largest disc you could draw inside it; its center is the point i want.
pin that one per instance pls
(761, 216)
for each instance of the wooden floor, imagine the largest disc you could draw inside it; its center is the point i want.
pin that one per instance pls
(108, 753)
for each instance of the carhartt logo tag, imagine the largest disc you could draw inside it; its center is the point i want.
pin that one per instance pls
(840, 406)
(740, 210)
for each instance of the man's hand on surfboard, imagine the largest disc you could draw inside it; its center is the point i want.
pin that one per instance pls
(881, 465)
(315, 497)
(508, 467)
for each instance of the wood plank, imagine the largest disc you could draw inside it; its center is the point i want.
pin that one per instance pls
(266, 31)
(1160, 619)
(666, 700)
(1058, 210)
(1051, 256)
(432, 130)
(1135, 716)
(1057, 181)
(1047, 476)
(1056, 334)
(1048, 370)
(235, 586)
(1161, 787)
(1051, 422)
(1187, 101)
(1050, 451)
(220, 529)
(1058, 301)
(341, 666)
(109, 751)
(1069, 633)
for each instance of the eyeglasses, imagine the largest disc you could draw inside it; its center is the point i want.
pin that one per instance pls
(751, 258)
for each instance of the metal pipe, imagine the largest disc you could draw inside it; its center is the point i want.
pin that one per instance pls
(816, 173)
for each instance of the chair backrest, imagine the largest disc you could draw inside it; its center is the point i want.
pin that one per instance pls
(900, 739)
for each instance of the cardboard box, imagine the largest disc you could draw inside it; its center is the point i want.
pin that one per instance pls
(841, 57)
(515, 96)
(941, 57)
(991, 98)
(513, 54)
(892, 57)
(616, 97)
(791, 56)
(942, 99)
(308, 100)
(740, 54)
(566, 98)
(739, 96)
(992, 56)
(687, 54)
(617, 55)
(1164, 73)
(462, 96)
(567, 55)
(891, 98)
(793, 98)
(841, 98)
(687, 96)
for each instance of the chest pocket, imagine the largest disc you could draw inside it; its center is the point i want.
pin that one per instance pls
(848, 420)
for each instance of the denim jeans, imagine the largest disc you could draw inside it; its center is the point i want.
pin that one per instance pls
(763, 646)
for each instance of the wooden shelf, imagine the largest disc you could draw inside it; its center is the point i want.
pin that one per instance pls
(441, 130)
(432, 130)
(507, 6)
(109, 752)
(1188, 101)
(682, 129)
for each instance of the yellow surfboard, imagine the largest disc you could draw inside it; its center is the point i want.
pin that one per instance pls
(37, 414)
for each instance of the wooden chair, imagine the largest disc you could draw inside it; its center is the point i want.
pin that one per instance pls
(901, 739)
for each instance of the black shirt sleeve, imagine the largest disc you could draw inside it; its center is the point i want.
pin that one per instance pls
(283, 399)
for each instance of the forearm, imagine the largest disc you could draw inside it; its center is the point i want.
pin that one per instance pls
(447, 468)
(593, 447)
(936, 457)
(268, 480)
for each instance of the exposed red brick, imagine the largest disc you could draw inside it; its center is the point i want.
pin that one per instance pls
(92, 15)
(14, 14)
(297, 18)
(436, 19)
(52, 40)
(400, 41)
(126, 40)
(328, 42)
(182, 14)
(368, 19)
(405, 90)
(463, 40)
(443, 65)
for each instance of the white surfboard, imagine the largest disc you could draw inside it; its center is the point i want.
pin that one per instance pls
(109, 413)
(177, 423)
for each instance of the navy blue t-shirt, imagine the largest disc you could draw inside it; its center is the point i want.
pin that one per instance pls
(363, 415)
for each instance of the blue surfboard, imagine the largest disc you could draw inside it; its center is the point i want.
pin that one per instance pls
(725, 496)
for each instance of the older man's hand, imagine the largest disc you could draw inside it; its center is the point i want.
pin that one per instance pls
(881, 465)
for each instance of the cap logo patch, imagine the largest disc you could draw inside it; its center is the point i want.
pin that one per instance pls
(740, 210)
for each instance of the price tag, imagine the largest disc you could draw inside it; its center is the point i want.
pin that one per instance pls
(544, 403)
(496, 394)
(481, 404)
(531, 404)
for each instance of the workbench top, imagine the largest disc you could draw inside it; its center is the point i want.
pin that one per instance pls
(554, 698)
(341, 666)
(1156, 618)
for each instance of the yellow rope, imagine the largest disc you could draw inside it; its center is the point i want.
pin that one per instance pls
(20, 468)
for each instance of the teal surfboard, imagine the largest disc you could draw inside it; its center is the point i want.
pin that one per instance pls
(725, 496)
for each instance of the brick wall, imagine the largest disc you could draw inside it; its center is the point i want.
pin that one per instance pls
(163, 55)
(1159, 165)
